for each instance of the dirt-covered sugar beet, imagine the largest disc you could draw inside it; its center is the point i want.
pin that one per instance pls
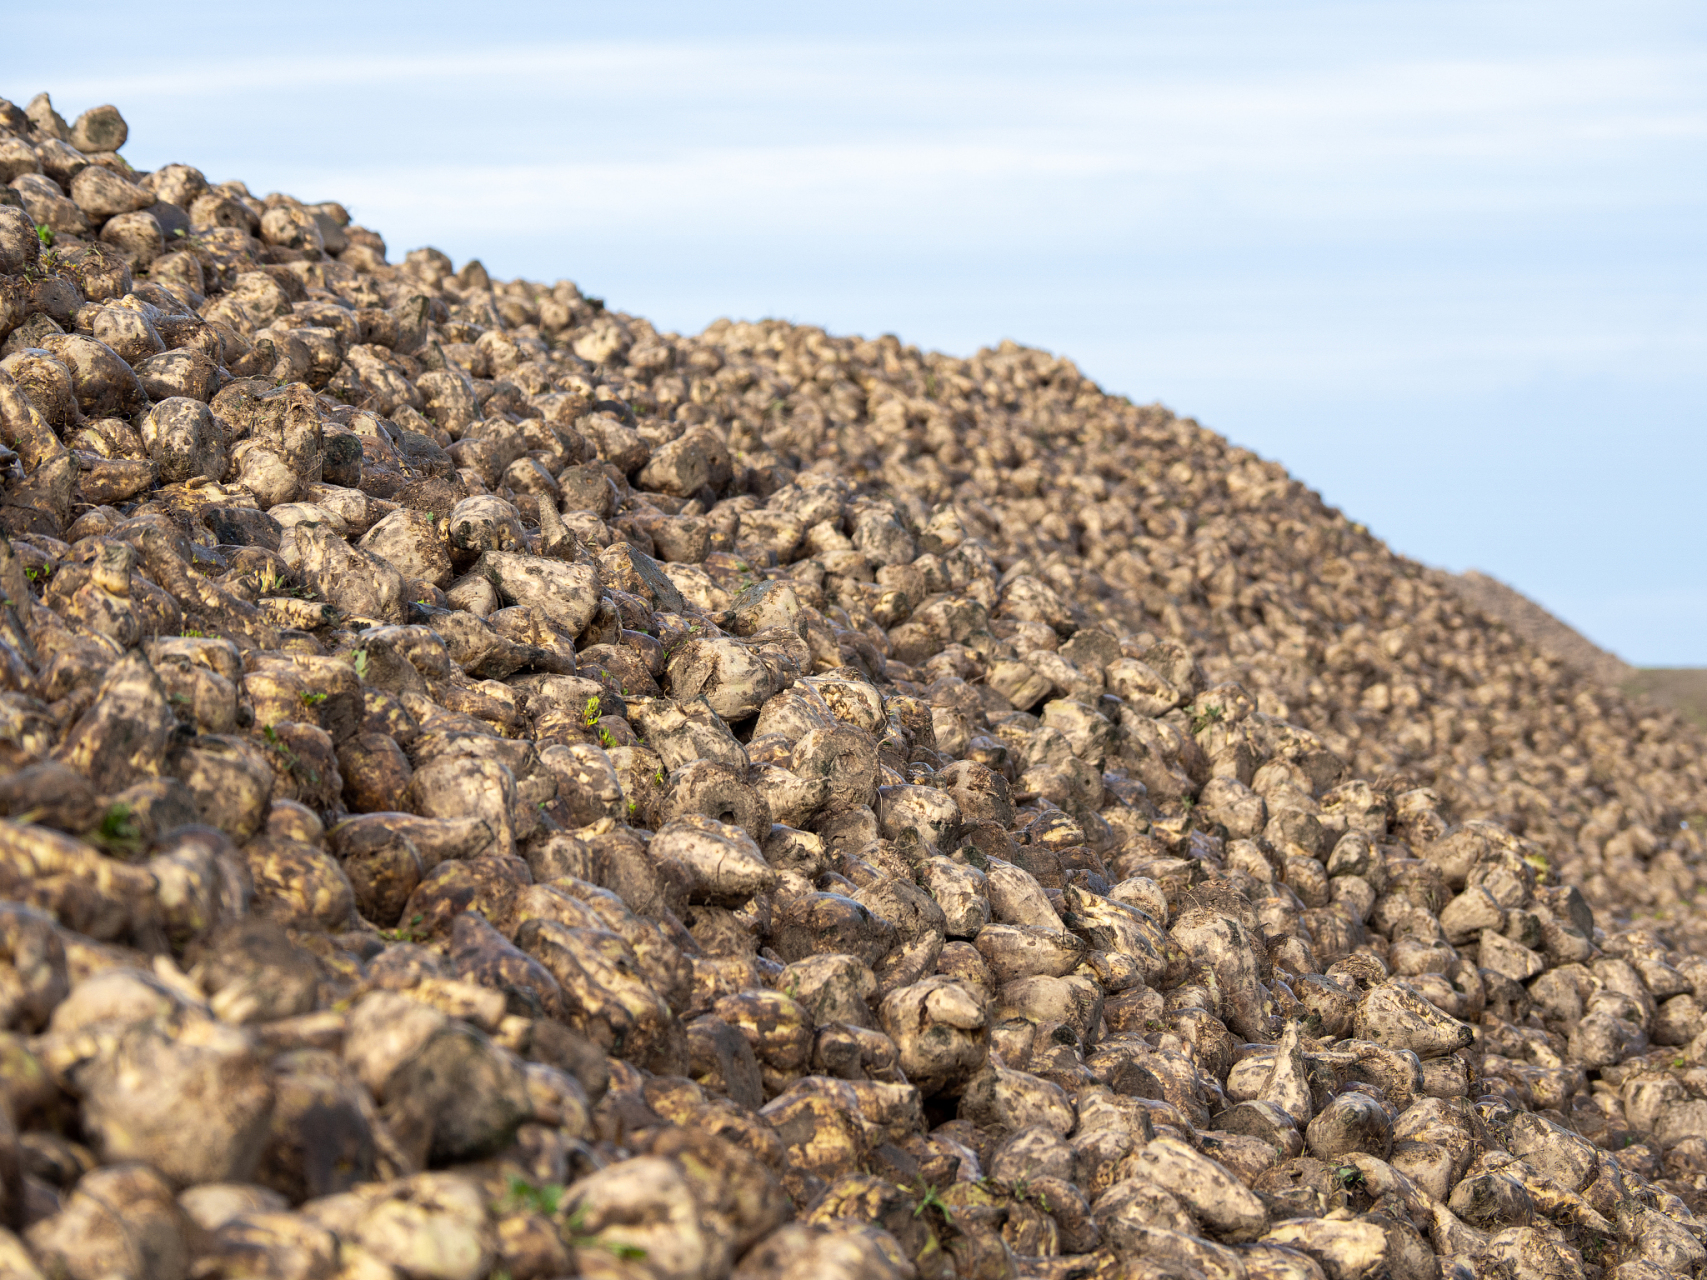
(491, 788)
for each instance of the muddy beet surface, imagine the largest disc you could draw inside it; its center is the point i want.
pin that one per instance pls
(492, 789)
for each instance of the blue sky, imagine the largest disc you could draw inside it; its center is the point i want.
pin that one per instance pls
(1443, 260)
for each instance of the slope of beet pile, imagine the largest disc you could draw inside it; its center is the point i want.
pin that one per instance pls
(492, 789)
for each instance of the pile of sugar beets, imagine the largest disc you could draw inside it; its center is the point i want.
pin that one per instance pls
(492, 789)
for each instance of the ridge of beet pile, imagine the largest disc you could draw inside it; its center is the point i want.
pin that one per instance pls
(488, 788)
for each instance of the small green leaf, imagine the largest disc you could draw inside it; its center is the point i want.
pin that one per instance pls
(1349, 1175)
(118, 823)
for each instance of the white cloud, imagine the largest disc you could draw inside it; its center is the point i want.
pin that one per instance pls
(1100, 112)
